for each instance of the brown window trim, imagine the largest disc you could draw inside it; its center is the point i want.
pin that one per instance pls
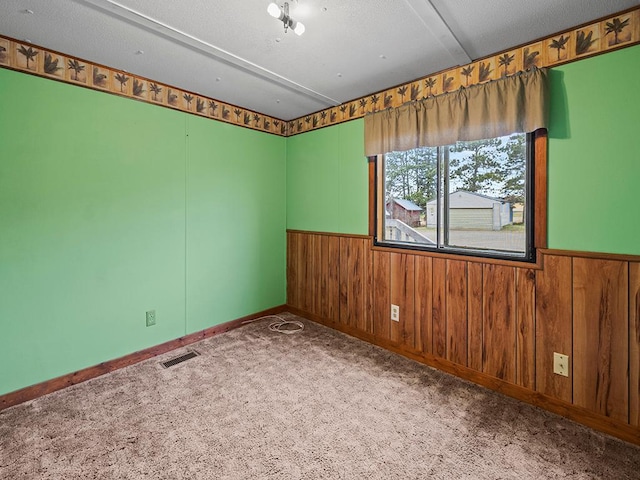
(540, 189)
(539, 199)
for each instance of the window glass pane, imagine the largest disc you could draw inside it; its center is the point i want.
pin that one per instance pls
(486, 194)
(410, 181)
(470, 196)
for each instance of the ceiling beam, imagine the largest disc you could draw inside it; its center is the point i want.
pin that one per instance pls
(122, 12)
(431, 19)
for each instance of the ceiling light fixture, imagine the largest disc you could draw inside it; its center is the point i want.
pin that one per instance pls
(282, 13)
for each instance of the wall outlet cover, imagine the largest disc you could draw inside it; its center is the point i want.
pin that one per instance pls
(151, 318)
(561, 364)
(395, 313)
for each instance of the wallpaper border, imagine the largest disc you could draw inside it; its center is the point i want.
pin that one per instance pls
(587, 40)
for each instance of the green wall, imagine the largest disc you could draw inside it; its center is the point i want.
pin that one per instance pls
(236, 237)
(594, 162)
(111, 207)
(594, 159)
(327, 180)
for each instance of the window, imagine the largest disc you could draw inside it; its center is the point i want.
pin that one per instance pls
(473, 198)
(451, 176)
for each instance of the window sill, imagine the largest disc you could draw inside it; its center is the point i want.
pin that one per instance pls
(537, 265)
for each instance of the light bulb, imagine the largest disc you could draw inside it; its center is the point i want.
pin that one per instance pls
(274, 10)
(299, 28)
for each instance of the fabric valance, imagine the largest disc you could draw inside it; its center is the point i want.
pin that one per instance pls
(518, 103)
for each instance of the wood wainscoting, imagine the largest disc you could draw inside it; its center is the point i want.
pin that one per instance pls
(496, 323)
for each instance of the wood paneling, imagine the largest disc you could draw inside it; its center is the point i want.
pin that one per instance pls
(381, 295)
(343, 309)
(332, 300)
(456, 307)
(439, 307)
(499, 322)
(402, 270)
(491, 322)
(356, 282)
(634, 344)
(293, 282)
(302, 265)
(368, 273)
(525, 328)
(474, 315)
(353, 282)
(601, 337)
(424, 303)
(322, 269)
(553, 325)
(315, 273)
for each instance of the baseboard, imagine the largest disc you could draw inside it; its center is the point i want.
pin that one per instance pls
(578, 414)
(34, 391)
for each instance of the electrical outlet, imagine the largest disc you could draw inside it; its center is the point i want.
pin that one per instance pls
(151, 318)
(395, 313)
(560, 364)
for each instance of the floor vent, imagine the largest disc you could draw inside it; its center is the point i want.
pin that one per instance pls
(182, 358)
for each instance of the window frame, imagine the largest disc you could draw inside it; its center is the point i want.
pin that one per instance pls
(536, 209)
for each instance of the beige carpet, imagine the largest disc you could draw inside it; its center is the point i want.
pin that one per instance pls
(315, 405)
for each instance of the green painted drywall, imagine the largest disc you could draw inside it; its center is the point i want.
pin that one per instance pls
(100, 222)
(594, 163)
(92, 215)
(594, 159)
(327, 180)
(111, 207)
(235, 222)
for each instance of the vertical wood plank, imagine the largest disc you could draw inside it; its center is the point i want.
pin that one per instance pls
(314, 274)
(381, 295)
(344, 281)
(634, 344)
(356, 283)
(402, 293)
(292, 271)
(499, 325)
(474, 315)
(525, 328)
(424, 304)
(333, 279)
(601, 336)
(308, 280)
(301, 263)
(300, 270)
(554, 333)
(409, 332)
(307, 259)
(368, 279)
(396, 275)
(456, 307)
(439, 307)
(323, 272)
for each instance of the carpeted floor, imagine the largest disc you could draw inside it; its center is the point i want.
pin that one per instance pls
(315, 405)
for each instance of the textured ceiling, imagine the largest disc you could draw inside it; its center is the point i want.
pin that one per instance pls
(237, 53)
